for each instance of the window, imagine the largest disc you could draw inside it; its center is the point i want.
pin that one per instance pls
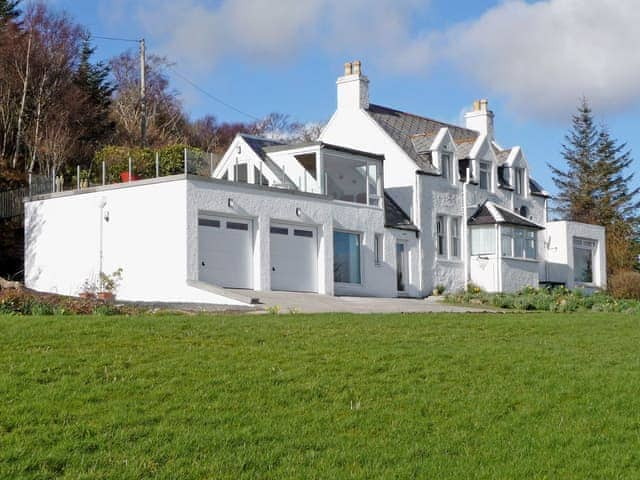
(240, 172)
(258, 178)
(279, 231)
(308, 161)
(378, 248)
(483, 240)
(441, 232)
(519, 242)
(455, 237)
(519, 180)
(205, 222)
(237, 226)
(507, 241)
(583, 253)
(446, 166)
(346, 257)
(485, 176)
(530, 244)
(303, 233)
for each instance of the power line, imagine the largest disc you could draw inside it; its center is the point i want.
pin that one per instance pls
(186, 79)
(117, 39)
(211, 96)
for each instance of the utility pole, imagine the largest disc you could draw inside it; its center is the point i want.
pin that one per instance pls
(143, 97)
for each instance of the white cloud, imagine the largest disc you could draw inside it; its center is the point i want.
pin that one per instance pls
(276, 31)
(543, 56)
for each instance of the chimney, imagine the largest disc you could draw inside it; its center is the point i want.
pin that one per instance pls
(353, 87)
(481, 118)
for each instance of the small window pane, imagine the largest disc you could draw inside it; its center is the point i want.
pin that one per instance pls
(240, 172)
(303, 233)
(279, 230)
(237, 226)
(377, 249)
(441, 235)
(206, 222)
(455, 237)
(507, 241)
(583, 253)
(483, 240)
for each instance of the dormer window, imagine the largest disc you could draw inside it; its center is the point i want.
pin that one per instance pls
(485, 176)
(519, 180)
(446, 166)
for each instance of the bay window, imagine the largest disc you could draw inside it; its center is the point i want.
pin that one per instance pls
(519, 242)
(483, 240)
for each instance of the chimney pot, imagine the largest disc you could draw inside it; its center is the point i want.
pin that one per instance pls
(476, 105)
(357, 67)
(484, 105)
(348, 68)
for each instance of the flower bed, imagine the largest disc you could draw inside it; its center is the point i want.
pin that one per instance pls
(558, 299)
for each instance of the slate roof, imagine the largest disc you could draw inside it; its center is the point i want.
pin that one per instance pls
(402, 126)
(490, 213)
(503, 155)
(394, 216)
(536, 189)
(258, 144)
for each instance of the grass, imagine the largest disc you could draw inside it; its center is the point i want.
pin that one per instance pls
(325, 396)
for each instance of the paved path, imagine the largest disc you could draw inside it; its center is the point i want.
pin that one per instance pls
(315, 303)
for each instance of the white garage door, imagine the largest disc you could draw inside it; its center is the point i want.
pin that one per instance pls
(294, 258)
(225, 251)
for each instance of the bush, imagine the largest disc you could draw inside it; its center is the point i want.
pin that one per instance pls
(557, 299)
(625, 285)
(25, 302)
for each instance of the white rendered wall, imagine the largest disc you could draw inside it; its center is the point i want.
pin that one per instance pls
(145, 236)
(519, 273)
(264, 205)
(559, 252)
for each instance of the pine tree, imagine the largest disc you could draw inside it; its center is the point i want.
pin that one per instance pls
(8, 10)
(616, 205)
(576, 186)
(93, 82)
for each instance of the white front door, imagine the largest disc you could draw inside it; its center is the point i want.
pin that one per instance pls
(225, 251)
(294, 258)
(402, 278)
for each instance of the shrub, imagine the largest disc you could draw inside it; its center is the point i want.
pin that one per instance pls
(625, 285)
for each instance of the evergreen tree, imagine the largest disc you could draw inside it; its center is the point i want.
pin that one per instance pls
(8, 10)
(596, 187)
(93, 82)
(576, 186)
(616, 205)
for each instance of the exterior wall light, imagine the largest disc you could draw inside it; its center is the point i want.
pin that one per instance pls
(230, 202)
(298, 212)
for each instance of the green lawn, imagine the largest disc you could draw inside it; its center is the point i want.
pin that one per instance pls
(327, 396)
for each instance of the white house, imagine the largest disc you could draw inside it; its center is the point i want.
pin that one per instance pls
(385, 203)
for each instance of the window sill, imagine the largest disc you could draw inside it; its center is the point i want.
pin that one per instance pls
(453, 261)
(520, 259)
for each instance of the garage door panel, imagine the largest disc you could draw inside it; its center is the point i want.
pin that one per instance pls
(294, 258)
(225, 250)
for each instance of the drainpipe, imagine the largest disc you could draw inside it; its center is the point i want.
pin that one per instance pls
(498, 258)
(465, 230)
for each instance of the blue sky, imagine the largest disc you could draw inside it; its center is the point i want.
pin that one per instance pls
(532, 60)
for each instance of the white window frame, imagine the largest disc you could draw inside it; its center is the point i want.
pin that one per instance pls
(454, 238)
(489, 171)
(588, 244)
(360, 242)
(523, 236)
(378, 249)
(519, 177)
(446, 166)
(441, 236)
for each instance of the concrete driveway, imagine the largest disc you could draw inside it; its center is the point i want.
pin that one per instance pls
(315, 303)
